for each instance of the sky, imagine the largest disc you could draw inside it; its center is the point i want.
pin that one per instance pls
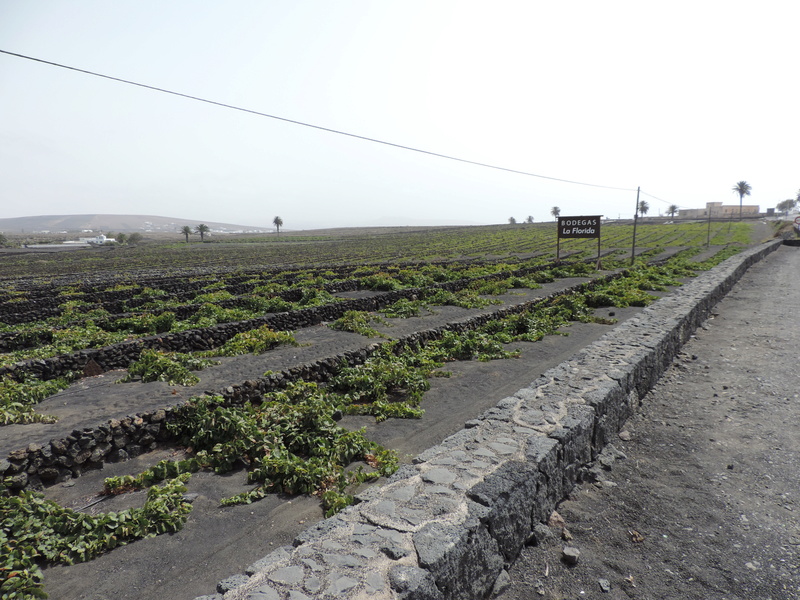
(681, 99)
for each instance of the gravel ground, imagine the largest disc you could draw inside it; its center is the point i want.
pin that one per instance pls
(700, 498)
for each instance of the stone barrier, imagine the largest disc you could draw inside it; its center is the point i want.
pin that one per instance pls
(450, 524)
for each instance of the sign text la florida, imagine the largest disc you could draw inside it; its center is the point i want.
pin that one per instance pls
(579, 227)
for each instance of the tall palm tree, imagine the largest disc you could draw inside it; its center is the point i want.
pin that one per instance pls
(278, 222)
(743, 189)
(643, 207)
(187, 231)
(786, 206)
(202, 229)
(555, 211)
(672, 210)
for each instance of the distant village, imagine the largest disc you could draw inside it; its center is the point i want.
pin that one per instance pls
(82, 242)
(101, 239)
(718, 210)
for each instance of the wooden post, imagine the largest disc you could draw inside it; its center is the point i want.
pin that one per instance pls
(598, 267)
(558, 244)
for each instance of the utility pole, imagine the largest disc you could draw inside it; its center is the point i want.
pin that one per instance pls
(635, 219)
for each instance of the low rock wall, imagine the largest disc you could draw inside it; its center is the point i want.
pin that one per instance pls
(62, 459)
(450, 524)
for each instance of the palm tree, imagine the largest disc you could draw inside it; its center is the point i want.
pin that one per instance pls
(643, 207)
(187, 231)
(278, 222)
(555, 211)
(529, 219)
(202, 229)
(786, 206)
(743, 189)
(672, 210)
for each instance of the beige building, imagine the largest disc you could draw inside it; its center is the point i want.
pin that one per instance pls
(717, 210)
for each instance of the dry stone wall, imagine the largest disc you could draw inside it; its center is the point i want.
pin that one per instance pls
(62, 459)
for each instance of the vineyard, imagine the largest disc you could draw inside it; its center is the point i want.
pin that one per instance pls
(282, 362)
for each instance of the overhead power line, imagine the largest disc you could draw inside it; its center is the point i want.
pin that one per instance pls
(319, 127)
(662, 200)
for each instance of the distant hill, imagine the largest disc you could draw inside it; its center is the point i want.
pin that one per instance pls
(110, 224)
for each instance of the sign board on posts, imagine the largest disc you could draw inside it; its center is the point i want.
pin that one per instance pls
(579, 227)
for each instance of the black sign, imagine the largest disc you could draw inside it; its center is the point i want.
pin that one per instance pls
(579, 227)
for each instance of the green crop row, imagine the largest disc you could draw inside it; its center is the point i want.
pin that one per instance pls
(337, 249)
(35, 532)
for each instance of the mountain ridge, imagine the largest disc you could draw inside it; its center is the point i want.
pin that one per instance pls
(111, 223)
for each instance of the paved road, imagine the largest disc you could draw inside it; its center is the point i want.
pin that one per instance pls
(706, 503)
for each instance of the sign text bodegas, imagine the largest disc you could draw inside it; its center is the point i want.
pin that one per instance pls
(578, 227)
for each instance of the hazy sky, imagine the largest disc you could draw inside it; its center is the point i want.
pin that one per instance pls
(681, 98)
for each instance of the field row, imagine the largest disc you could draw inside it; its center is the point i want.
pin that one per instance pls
(104, 267)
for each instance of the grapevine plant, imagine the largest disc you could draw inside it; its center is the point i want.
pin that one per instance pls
(254, 341)
(358, 321)
(17, 399)
(35, 532)
(289, 443)
(172, 367)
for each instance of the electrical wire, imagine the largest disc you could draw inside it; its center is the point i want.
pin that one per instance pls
(319, 127)
(661, 199)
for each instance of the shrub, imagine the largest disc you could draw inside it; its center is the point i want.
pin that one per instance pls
(173, 368)
(404, 309)
(35, 530)
(255, 341)
(358, 321)
(17, 399)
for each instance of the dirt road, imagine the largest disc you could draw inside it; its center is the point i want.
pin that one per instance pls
(702, 499)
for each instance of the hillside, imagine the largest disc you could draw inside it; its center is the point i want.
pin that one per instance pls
(110, 223)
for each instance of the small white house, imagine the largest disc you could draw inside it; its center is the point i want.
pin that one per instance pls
(98, 240)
